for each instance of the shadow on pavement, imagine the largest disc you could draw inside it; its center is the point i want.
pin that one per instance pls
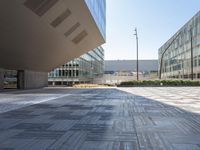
(99, 119)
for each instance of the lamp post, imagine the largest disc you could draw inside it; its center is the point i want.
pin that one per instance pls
(162, 55)
(136, 35)
(191, 52)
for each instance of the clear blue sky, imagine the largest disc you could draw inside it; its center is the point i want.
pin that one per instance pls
(156, 21)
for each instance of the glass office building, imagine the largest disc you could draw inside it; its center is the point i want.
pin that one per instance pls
(80, 70)
(98, 11)
(181, 53)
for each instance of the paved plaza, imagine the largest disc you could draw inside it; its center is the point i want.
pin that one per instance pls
(146, 118)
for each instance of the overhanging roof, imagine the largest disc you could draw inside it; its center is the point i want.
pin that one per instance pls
(44, 37)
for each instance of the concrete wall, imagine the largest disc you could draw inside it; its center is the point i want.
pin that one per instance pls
(31, 79)
(1, 78)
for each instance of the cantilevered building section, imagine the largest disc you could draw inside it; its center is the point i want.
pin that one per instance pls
(40, 35)
(180, 56)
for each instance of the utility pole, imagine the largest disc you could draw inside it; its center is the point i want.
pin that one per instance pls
(136, 35)
(191, 53)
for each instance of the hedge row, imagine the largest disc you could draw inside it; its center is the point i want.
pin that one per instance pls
(161, 83)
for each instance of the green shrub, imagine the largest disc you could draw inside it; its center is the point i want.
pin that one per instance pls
(161, 83)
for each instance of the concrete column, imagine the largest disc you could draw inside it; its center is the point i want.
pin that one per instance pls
(1, 78)
(31, 79)
(20, 79)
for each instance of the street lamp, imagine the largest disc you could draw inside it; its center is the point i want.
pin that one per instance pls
(136, 35)
(191, 52)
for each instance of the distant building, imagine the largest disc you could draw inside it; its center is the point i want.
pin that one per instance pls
(176, 62)
(117, 71)
(113, 66)
(80, 70)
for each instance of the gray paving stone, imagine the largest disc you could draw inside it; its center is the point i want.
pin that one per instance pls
(105, 145)
(32, 126)
(17, 144)
(37, 134)
(102, 119)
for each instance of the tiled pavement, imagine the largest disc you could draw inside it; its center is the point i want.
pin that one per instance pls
(104, 119)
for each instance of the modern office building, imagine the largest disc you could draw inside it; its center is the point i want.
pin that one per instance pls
(80, 70)
(179, 57)
(40, 35)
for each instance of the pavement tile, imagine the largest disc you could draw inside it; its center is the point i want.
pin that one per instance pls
(101, 119)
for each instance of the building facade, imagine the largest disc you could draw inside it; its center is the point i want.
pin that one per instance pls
(44, 34)
(117, 71)
(114, 66)
(179, 57)
(98, 11)
(80, 70)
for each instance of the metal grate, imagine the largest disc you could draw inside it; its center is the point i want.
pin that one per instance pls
(72, 29)
(80, 37)
(61, 18)
(40, 7)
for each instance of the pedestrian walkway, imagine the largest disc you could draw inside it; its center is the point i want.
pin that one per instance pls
(102, 119)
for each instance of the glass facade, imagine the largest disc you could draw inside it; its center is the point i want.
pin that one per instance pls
(98, 11)
(83, 69)
(176, 62)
